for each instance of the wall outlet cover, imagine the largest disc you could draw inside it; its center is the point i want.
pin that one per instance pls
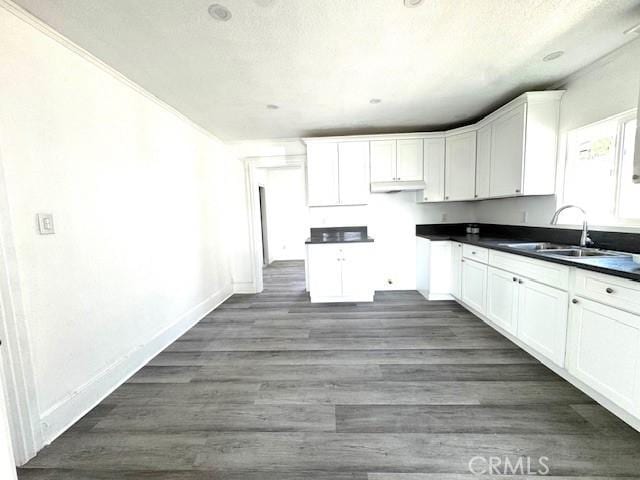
(45, 224)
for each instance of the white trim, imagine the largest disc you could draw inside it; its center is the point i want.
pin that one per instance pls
(244, 287)
(342, 299)
(66, 412)
(20, 386)
(42, 27)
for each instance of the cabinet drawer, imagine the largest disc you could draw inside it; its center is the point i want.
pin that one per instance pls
(478, 254)
(614, 291)
(547, 273)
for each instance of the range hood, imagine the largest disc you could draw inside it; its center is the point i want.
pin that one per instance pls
(392, 187)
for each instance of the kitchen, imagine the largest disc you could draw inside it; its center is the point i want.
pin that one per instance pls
(395, 240)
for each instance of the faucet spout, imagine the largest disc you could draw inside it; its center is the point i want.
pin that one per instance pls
(585, 241)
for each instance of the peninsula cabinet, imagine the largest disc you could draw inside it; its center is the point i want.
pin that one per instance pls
(460, 167)
(337, 173)
(340, 272)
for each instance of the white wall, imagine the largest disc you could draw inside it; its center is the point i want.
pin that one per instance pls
(142, 210)
(605, 88)
(287, 223)
(392, 220)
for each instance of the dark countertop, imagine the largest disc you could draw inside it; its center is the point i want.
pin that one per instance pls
(339, 235)
(623, 267)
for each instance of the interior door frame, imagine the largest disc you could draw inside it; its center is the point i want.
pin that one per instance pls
(17, 369)
(253, 202)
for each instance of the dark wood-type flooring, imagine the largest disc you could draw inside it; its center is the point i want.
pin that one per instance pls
(272, 387)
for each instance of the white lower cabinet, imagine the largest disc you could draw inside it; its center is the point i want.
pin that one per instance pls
(542, 319)
(340, 272)
(604, 351)
(474, 284)
(502, 299)
(456, 269)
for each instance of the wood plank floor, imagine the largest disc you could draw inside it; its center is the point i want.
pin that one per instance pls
(271, 387)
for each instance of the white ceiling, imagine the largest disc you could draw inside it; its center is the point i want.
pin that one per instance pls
(440, 64)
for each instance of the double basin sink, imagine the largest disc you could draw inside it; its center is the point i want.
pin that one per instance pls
(558, 250)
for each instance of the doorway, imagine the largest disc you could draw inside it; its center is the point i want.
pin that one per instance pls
(263, 225)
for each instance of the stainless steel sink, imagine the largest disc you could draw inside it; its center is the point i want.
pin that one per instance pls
(559, 250)
(581, 252)
(537, 246)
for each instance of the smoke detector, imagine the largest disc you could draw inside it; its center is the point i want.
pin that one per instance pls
(219, 12)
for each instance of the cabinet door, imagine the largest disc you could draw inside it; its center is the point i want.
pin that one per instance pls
(409, 160)
(353, 178)
(383, 161)
(357, 272)
(474, 284)
(322, 174)
(456, 269)
(483, 162)
(542, 319)
(507, 153)
(434, 169)
(604, 351)
(460, 167)
(325, 270)
(502, 299)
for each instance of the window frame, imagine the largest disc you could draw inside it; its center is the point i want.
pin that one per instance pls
(614, 219)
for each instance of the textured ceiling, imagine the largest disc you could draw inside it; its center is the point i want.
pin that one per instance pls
(321, 61)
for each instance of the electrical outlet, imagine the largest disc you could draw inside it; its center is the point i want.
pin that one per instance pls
(525, 216)
(444, 216)
(45, 224)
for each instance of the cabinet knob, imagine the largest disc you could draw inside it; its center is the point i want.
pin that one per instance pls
(475, 196)
(426, 198)
(517, 190)
(635, 177)
(609, 290)
(520, 281)
(574, 301)
(446, 198)
(515, 279)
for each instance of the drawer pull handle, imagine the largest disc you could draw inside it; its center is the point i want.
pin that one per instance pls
(609, 290)
(574, 301)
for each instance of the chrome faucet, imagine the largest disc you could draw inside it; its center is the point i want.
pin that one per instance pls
(585, 241)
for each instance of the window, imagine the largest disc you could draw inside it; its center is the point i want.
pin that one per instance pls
(599, 170)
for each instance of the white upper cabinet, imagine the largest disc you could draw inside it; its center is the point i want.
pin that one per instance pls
(433, 170)
(383, 161)
(322, 174)
(483, 162)
(460, 167)
(524, 146)
(409, 160)
(337, 173)
(507, 153)
(353, 173)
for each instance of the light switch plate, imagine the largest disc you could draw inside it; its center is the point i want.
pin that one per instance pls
(45, 224)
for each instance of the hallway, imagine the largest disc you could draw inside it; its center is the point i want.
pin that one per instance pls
(272, 387)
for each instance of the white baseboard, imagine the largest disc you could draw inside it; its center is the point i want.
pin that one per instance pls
(65, 413)
(342, 299)
(244, 287)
